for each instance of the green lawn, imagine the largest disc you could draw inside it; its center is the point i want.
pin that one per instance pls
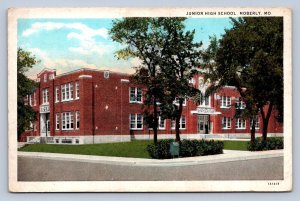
(236, 145)
(134, 149)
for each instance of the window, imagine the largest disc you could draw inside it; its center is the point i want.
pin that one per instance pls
(135, 95)
(45, 77)
(67, 92)
(30, 100)
(77, 119)
(225, 101)
(182, 123)
(240, 123)
(136, 121)
(204, 101)
(77, 90)
(56, 94)
(57, 121)
(200, 82)
(45, 96)
(240, 105)
(67, 121)
(176, 101)
(226, 123)
(161, 123)
(256, 123)
(34, 99)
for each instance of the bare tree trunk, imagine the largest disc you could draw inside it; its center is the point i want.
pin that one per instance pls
(177, 120)
(265, 121)
(155, 121)
(253, 128)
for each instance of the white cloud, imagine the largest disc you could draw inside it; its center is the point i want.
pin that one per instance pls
(84, 34)
(50, 26)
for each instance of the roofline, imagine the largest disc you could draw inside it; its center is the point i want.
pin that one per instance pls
(82, 69)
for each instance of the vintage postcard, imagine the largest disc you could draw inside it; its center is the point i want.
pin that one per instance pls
(150, 99)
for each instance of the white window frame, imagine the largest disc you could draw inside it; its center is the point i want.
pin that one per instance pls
(30, 100)
(182, 122)
(240, 104)
(225, 102)
(67, 121)
(57, 121)
(133, 121)
(34, 98)
(136, 90)
(57, 94)
(77, 90)
(203, 101)
(240, 123)
(161, 123)
(67, 92)
(226, 123)
(77, 120)
(256, 123)
(45, 96)
(176, 101)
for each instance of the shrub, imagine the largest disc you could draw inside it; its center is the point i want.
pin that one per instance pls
(272, 143)
(187, 148)
(160, 150)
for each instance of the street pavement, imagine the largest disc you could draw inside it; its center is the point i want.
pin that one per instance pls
(232, 165)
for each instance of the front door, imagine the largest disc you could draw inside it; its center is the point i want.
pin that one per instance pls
(203, 124)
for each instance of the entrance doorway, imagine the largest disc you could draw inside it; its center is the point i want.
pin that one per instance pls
(203, 124)
(45, 125)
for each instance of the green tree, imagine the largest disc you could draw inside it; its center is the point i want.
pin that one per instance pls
(249, 56)
(167, 54)
(26, 86)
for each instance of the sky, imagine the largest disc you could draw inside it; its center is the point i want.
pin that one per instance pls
(70, 44)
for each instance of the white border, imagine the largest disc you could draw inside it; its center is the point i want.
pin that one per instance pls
(140, 186)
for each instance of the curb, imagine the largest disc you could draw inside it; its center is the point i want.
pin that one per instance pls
(228, 156)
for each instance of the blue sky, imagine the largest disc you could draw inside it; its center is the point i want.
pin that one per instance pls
(70, 44)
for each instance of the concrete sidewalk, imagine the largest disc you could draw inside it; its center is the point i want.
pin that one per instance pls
(228, 156)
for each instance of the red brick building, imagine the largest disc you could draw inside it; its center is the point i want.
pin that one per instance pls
(92, 106)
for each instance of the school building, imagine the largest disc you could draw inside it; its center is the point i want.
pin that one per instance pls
(94, 106)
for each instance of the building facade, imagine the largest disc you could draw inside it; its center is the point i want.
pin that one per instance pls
(92, 106)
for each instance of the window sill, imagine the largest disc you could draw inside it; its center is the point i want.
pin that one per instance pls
(135, 102)
(226, 128)
(138, 129)
(67, 100)
(240, 128)
(222, 107)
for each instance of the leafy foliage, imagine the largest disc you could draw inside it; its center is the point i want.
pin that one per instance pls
(271, 143)
(25, 86)
(187, 148)
(168, 56)
(250, 57)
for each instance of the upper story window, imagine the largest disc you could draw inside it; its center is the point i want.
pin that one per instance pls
(56, 94)
(225, 102)
(45, 77)
(176, 101)
(182, 123)
(136, 121)
(200, 82)
(256, 123)
(161, 123)
(226, 123)
(204, 101)
(67, 92)
(45, 96)
(240, 123)
(77, 92)
(240, 105)
(135, 95)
